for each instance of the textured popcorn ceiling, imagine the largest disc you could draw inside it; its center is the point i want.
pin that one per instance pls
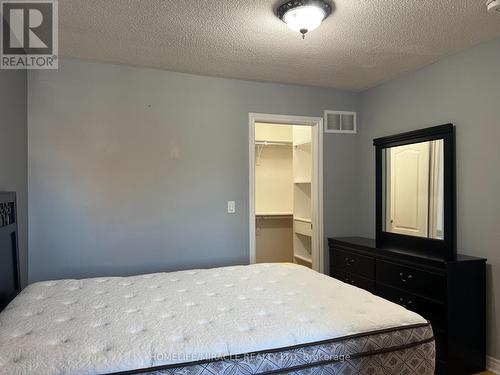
(364, 42)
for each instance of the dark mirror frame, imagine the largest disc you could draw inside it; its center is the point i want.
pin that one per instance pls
(446, 248)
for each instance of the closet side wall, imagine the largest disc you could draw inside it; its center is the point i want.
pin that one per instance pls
(273, 171)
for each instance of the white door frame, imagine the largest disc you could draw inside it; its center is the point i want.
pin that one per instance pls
(317, 194)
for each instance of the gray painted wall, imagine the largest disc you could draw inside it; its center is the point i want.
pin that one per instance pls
(14, 151)
(465, 90)
(130, 169)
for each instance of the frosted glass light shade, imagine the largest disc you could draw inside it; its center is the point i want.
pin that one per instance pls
(304, 18)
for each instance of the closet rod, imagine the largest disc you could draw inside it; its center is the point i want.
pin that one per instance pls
(274, 216)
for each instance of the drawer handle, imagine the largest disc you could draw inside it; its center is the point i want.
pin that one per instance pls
(405, 304)
(404, 278)
(349, 281)
(349, 261)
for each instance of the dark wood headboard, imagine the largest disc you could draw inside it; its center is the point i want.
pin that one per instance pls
(10, 283)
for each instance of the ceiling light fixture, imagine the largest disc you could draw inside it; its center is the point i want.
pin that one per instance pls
(304, 15)
(493, 6)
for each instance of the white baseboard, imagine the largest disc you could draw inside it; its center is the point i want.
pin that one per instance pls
(493, 365)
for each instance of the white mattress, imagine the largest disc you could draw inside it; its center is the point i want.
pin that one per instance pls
(104, 325)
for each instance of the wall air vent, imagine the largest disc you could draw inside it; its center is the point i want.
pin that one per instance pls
(340, 122)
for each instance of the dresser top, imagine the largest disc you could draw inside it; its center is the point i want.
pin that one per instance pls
(368, 245)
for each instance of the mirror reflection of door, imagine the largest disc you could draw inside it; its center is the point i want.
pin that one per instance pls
(409, 182)
(414, 179)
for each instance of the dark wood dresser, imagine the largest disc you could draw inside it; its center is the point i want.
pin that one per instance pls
(450, 294)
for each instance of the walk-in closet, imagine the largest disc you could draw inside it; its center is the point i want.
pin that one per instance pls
(283, 185)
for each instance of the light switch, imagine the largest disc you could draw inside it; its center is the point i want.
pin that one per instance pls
(231, 207)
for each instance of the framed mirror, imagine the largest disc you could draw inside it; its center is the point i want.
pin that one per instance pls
(415, 191)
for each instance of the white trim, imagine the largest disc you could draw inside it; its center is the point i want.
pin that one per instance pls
(251, 186)
(493, 364)
(317, 124)
(330, 112)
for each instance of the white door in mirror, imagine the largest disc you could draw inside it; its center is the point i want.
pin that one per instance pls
(231, 207)
(409, 182)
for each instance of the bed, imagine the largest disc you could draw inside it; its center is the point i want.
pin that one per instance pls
(9, 252)
(257, 319)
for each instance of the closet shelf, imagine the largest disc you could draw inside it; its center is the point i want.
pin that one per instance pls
(274, 143)
(264, 214)
(303, 227)
(303, 219)
(304, 143)
(261, 144)
(303, 258)
(302, 182)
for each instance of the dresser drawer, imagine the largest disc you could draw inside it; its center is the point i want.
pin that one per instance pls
(353, 263)
(413, 280)
(441, 345)
(355, 280)
(433, 311)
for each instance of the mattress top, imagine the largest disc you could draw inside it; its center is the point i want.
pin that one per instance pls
(105, 325)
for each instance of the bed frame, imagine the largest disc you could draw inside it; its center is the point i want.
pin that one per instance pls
(10, 283)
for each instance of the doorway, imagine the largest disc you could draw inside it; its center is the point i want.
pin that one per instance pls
(286, 189)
